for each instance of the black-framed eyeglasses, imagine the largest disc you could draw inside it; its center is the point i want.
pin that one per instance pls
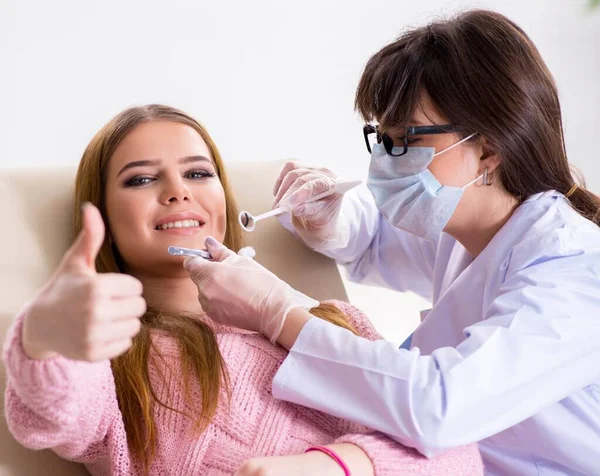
(372, 133)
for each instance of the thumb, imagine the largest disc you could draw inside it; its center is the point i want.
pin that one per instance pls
(198, 268)
(82, 254)
(218, 251)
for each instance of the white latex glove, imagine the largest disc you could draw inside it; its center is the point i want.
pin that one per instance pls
(317, 223)
(236, 291)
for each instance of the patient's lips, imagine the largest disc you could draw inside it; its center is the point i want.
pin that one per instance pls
(180, 224)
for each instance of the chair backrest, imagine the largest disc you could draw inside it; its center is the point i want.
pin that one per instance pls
(35, 206)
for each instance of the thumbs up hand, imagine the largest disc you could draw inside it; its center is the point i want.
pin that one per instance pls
(80, 314)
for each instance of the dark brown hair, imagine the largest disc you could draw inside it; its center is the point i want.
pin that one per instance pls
(202, 364)
(484, 73)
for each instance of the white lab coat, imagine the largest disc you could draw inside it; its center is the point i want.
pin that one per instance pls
(509, 355)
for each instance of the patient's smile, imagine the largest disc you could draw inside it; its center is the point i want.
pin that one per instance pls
(180, 224)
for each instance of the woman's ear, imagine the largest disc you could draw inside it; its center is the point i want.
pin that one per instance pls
(489, 159)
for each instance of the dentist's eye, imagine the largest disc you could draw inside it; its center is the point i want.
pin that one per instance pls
(199, 174)
(412, 141)
(138, 181)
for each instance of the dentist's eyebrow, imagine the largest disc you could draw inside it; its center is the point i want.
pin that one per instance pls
(416, 122)
(144, 163)
(399, 132)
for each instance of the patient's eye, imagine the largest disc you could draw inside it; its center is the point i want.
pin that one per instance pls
(139, 180)
(196, 174)
(199, 174)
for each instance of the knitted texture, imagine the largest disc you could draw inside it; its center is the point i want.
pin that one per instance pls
(71, 407)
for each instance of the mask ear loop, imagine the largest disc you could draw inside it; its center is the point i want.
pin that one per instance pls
(486, 176)
(455, 144)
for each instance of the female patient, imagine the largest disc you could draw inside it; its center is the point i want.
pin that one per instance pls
(169, 392)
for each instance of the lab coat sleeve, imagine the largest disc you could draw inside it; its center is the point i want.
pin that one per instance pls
(387, 455)
(390, 458)
(379, 254)
(538, 343)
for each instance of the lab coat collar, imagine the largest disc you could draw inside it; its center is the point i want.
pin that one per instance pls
(542, 195)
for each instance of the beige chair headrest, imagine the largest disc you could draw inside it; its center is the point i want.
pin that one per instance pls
(35, 206)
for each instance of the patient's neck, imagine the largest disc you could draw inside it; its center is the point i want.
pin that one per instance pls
(174, 295)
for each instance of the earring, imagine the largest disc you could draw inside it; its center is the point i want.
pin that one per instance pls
(487, 177)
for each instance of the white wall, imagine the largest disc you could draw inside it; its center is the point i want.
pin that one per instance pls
(270, 79)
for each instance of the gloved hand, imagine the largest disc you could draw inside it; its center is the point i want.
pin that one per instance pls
(317, 223)
(236, 291)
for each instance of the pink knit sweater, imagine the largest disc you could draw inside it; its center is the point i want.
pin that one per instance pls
(71, 407)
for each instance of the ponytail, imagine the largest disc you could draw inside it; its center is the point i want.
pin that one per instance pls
(585, 202)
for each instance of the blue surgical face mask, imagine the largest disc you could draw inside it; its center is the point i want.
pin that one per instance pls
(407, 193)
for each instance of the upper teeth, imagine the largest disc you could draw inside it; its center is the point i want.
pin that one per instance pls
(179, 224)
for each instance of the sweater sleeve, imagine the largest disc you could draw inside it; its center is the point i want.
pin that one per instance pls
(391, 458)
(65, 405)
(358, 320)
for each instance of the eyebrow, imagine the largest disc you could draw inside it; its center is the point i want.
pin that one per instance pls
(396, 132)
(416, 122)
(181, 161)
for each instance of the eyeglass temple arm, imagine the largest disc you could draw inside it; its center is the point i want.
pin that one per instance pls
(436, 129)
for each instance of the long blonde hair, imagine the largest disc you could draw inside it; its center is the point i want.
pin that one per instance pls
(197, 341)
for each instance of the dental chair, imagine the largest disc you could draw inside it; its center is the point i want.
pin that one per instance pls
(35, 207)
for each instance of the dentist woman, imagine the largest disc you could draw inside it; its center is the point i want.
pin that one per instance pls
(472, 205)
